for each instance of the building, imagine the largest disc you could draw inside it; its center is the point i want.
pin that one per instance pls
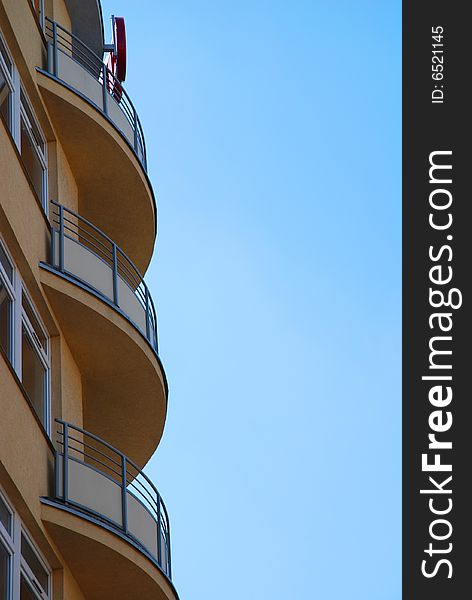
(83, 394)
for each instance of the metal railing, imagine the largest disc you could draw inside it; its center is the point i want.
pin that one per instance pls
(90, 472)
(61, 41)
(110, 272)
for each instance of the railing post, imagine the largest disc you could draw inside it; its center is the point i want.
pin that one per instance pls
(115, 275)
(124, 495)
(65, 461)
(147, 312)
(50, 57)
(159, 530)
(169, 561)
(56, 475)
(53, 243)
(135, 126)
(55, 49)
(104, 88)
(61, 238)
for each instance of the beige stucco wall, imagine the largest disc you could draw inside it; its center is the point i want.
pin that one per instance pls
(67, 191)
(71, 388)
(59, 13)
(24, 37)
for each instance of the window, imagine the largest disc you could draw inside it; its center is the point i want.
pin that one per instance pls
(6, 549)
(33, 148)
(4, 572)
(24, 574)
(34, 360)
(23, 338)
(6, 85)
(6, 303)
(5, 516)
(34, 574)
(17, 113)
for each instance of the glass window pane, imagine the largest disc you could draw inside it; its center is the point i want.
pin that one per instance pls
(38, 330)
(29, 154)
(6, 264)
(4, 572)
(33, 375)
(34, 563)
(36, 136)
(5, 101)
(26, 590)
(5, 321)
(5, 517)
(6, 58)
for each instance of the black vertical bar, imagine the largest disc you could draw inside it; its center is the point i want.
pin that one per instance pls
(437, 526)
(124, 494)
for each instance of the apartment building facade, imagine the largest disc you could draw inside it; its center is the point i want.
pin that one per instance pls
(83, 393)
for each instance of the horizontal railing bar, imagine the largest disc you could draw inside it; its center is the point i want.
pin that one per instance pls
(78, 40)
(96, 460)
(91, 225)
(86, 445)
(118, 464)
(163, 506)
(75, 54)
(80, 230)
(78, 55)
(72, 45)
(102, 251)
(138, 285)
(147, 500)
(150, 499)
(87, 246)
(125, 265)
(95, 228)
(98, 439)
(122, 256)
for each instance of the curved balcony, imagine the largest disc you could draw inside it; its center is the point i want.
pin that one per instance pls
(106, 486)
(71, 61)
(80, 250)
(100, 134)
(108, 321)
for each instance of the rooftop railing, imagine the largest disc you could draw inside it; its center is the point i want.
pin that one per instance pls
(95, 477)
(71, 61)
(80, 250)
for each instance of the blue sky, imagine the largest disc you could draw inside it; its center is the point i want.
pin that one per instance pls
(273, 134)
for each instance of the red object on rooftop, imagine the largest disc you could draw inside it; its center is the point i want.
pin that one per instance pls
(117, 58)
